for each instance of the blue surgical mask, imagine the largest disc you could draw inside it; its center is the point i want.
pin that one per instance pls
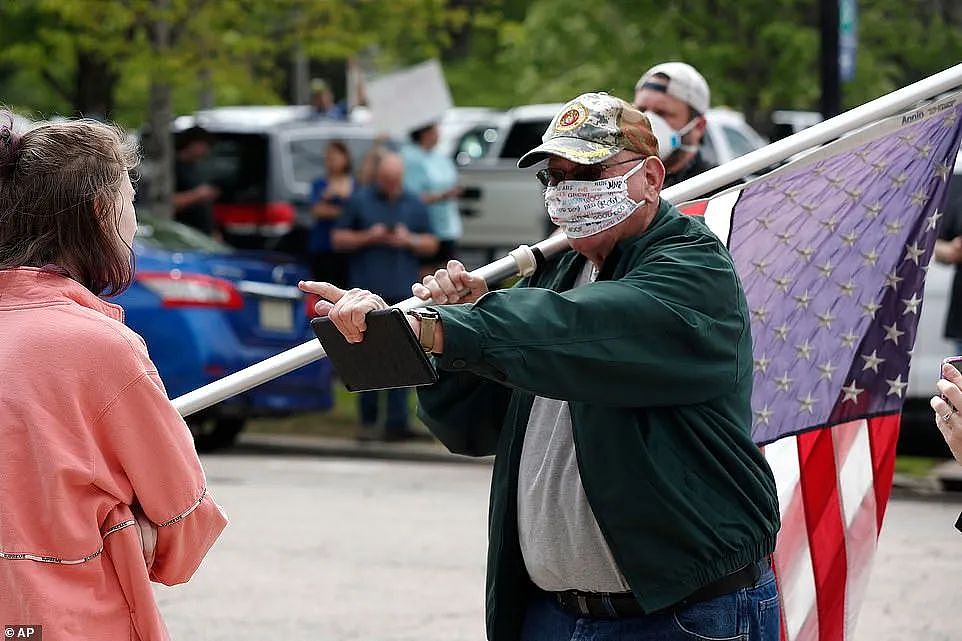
(669, 139)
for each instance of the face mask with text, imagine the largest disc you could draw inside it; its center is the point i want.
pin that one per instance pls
(587, 207)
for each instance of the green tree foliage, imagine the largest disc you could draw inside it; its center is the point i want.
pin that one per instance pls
(98, 56)
(758, 55)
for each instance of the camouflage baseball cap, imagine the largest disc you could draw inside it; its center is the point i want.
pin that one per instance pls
(591, 129)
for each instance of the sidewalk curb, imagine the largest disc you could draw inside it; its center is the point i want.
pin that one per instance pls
(300, 445)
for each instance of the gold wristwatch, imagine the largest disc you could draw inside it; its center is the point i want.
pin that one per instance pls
(428, 321)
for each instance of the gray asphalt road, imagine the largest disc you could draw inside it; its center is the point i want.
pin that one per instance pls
(337, 550)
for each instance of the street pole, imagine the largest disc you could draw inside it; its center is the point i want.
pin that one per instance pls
(831, 85)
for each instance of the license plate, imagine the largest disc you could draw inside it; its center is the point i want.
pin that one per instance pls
(277, 315)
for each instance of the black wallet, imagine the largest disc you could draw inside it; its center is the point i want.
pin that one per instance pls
(389, 356)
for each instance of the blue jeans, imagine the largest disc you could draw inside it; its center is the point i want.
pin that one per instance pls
(748, 614)
(397, 408)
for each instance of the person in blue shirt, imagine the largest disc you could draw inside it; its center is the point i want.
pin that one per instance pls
(329, 193)
(434, 177)
(386, 231)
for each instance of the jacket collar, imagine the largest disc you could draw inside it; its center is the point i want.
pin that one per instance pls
(622, 246)
(23, 286)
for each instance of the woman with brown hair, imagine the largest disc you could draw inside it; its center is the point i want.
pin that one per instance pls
(329, 193)
(101, 491)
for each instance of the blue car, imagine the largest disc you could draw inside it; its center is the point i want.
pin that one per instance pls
(207, 310)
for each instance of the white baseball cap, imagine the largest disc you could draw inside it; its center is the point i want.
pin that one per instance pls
(684, 82)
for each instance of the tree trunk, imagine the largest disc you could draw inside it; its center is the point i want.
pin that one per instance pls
(94, 87)
(160, 152)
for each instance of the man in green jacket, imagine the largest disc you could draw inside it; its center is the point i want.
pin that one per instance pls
(628, 500)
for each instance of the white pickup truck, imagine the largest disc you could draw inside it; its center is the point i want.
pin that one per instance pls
(502, 206)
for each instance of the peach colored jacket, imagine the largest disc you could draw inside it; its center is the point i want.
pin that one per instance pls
(86, 431)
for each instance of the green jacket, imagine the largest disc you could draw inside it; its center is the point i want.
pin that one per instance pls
(655, 361)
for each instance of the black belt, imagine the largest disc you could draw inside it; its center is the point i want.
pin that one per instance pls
(615, 605)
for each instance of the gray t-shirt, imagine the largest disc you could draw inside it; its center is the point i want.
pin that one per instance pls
(562, 545)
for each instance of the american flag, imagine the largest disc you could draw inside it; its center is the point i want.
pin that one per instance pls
(832, 250)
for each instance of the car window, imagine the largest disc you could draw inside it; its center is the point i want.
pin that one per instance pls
(523, 137)
(475, 144)
(173, 236)
(737, 141)
(237, 165)
(306, 157)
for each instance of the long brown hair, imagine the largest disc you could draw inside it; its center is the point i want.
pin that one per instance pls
(59, 185)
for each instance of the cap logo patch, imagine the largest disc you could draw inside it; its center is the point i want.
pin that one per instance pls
(573, 118)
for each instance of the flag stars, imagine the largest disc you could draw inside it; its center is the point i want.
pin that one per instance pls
(892, 333)
(809, 208)
(761, 265)
(826, 269)
(783, 283)
(830, 224)
(762, 363)
(854, 194)
(851, 393)
(804, 350)
(825, 319)
(763, 415)
(765, 221)
(899, 181)
(872, 361)
(892, 280)
(835, 181)
(873, 210)
(803, 300)
(911, 304)
(925, 151)
(893, 227)
(848, 340)
(870, 308)
(806, 252)
(781, 332)
(850, 239)
(826, 370)
(807, 404)
(784, 383)
(896, 386)
(914, 252)
(871, 257)
(920, 197)
(931, 222)
(943, 171)
(785, 236)
(760, 314)
(880, 165)
(848, 288)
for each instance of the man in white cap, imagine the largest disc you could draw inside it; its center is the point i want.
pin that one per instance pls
(677, 93)
(628, 500)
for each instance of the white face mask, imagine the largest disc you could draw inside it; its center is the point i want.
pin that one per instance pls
(587, 207)
(669, 140)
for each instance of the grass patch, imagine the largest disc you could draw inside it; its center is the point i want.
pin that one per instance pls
(915, 465)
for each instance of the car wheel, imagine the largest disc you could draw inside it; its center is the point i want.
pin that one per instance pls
(214, 433)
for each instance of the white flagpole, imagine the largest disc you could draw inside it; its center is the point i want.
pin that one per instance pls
(268, 369)
(737, 169)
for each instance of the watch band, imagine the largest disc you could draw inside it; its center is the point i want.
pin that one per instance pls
(428, 320)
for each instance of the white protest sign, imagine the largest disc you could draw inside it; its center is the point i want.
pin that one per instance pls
(406, 100)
